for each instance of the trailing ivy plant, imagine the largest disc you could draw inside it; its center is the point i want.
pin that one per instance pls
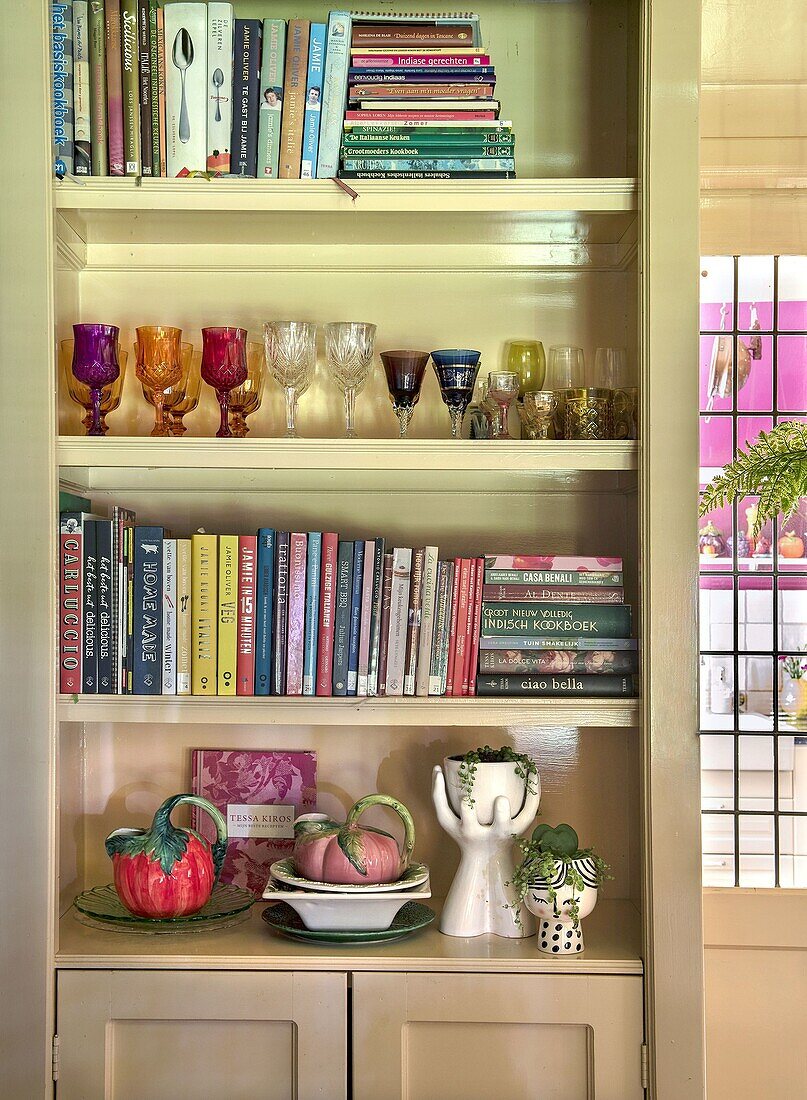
(540, 856)
(774, 468)
(526, 768)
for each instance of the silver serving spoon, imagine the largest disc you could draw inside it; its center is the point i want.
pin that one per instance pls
(183, 59)
(218, 80)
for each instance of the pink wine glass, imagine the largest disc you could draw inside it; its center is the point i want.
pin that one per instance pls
(95, 363)
(224, 366)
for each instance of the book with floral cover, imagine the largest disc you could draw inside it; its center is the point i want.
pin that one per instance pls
(260, 794)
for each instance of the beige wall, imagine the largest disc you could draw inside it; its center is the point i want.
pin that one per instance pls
(754, 200)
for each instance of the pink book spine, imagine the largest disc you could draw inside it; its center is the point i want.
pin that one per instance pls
(114, 87)
(475, 626)
(366, 611)
(548, 563)
(70, 605)
(452, 635)
(418, 61)
(469, 626)
(327, 604)
(462, 627)
(420, 116)
(245, 664)
(298, 545)
(522, 593)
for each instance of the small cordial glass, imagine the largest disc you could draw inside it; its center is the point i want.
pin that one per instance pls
(456, 370)
(502, 392)
(404, 371)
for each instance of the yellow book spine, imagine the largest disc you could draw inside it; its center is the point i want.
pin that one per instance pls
(184, 604)
(227, 612)
(204, 613)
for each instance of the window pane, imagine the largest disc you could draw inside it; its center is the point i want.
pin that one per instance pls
(756, 851)
(755, 287)
(717, 693)
(717, 291)
(756, 683)
(792, 373)
(715, 440)
(710, 348)
(755, 613)
(793, 292)
(755, 394)
(756, 773)
(717, 613)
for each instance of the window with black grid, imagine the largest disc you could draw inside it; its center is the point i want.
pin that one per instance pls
(753, 591)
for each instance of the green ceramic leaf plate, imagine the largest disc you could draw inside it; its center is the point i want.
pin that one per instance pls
(283, 919)
(285, 871)
(228, 904)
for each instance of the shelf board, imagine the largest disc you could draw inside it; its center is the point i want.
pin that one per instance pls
(613, 946)
(222, 196)
(281, 711)
(427, 464)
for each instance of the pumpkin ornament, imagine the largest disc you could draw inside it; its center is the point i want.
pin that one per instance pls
(710, 541)
(165, 872)
(791, 546)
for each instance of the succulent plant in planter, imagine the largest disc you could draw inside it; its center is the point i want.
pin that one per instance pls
(478, 776)
(558, 882)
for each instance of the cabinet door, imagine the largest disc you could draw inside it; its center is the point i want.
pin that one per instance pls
(157, 1035)
(471, 1037)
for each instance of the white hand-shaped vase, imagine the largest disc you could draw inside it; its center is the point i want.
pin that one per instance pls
(480, 900)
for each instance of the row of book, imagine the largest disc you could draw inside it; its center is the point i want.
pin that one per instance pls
(142, 89)
(424, 108)
(308, 613)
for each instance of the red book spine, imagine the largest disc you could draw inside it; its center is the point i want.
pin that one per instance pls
(245, 664)
(476, 625)
(70, 604)
(327, 606)
(298, 546)
(386, 602)
(452, 635)
(469, 626)
(462, 627)
(406, 60)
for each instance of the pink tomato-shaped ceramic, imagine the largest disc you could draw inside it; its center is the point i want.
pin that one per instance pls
(351, 855)
(165, 872)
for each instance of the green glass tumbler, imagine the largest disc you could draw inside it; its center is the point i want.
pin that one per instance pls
(526, 358)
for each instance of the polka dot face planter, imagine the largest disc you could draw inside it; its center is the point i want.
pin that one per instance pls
(561, 906)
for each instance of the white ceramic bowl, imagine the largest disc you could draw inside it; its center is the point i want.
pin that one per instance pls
(346, 912)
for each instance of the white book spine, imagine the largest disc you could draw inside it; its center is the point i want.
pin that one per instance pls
(169, 682)
(219, 86)
(82, 108)
(185, 87)
(427, 621)
(183, 609)
(398, 620)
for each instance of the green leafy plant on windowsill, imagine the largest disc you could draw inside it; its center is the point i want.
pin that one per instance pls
(774, 469)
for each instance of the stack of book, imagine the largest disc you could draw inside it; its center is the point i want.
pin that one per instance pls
(421, 102)
(555, 626)
(275, 613)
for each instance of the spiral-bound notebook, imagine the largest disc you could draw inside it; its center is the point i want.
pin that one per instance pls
(430, 18)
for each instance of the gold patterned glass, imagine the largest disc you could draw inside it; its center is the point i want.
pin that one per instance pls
(291, 355)
(567, 371)
(246, 398)
(537, 412)
(588, 414)
(158, 362)
(173, 397)
(80, 392)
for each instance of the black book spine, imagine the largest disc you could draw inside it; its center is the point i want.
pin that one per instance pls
(280, 626)
(246, 75)
(355, 617)
(147, 655)
(375, 618)
(89, 652)
(144, 57)
(341, 633)
(106, 639)
(556, 687)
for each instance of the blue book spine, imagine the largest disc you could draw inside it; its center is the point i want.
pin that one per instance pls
(147, 608)
(334, 92)
(89, 645)
(264, 610)
(341, 633)
(355, 617)
(434, 164)
(106, 639)
(61, 60)
(313, 100)
(313, 570)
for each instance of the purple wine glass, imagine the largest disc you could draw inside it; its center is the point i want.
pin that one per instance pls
(95, 363)
(404, 371)
(224, 366)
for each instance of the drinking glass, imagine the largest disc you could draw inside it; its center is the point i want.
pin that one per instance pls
(611, 373)
(567, 368)
(502, 392)
(527, 359)
(404, 371)
(78, 392)
(349, 346)
(456, 370)
(537, 411)
(224, 366)
(172, 396)
(158, 362)
(95, 363)
(246, 398)
(187, 396)
(291, 352)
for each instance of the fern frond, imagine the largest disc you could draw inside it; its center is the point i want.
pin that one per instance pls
(774, 469)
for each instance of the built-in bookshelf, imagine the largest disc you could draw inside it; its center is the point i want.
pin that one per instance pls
(554, 254)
